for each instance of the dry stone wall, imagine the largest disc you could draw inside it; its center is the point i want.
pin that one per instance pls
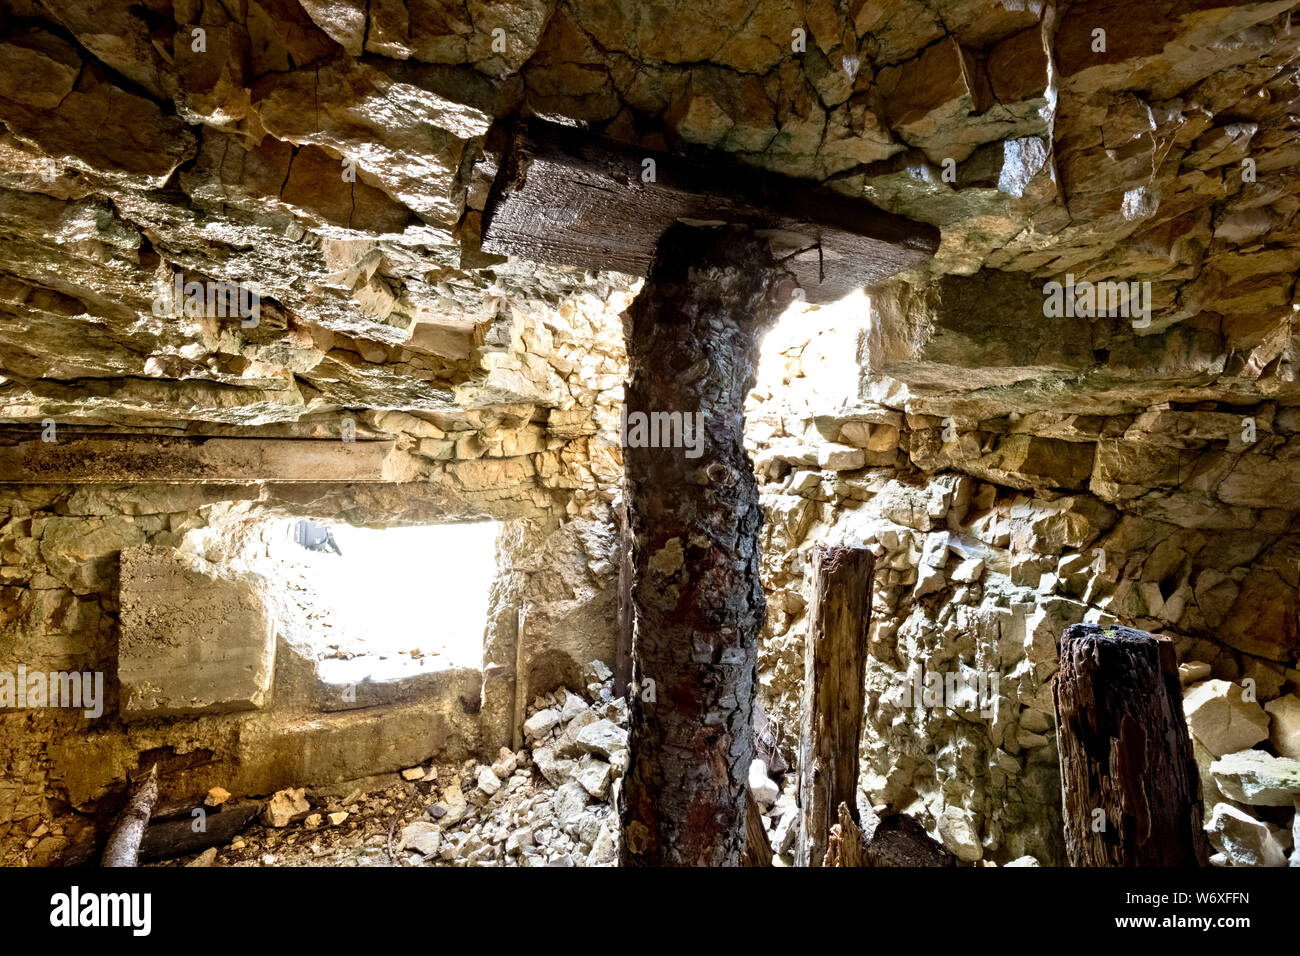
(993, 537)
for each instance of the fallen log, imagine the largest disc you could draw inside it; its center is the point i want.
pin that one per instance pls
(123, 847)
(179, 837)
(1130, 787)
(892, 840)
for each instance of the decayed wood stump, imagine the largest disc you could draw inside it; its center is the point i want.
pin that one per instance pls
(893, 840)
(692, 342)
(835, 661)
(1132, 794)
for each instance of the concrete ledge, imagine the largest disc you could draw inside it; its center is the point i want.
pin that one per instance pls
(132, 459)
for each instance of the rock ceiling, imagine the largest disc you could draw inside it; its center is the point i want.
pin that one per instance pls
(334, 156)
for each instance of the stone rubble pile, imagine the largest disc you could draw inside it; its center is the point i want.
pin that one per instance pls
(779, 803)
(1251, 794)
(548, 804)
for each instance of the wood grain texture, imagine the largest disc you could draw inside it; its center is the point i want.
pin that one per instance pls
(1132, 794)
(835, 660)
(567, 197)
(692, 341)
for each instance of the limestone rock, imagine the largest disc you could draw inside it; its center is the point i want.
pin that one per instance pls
(285, 806)
(1284, 729)
(604, 738)
(1221, 719)
(506, 763)
(423, 838)
(1243, 840)
(541, 723)
(1258, 778)
(1192, 672)
(593, 774)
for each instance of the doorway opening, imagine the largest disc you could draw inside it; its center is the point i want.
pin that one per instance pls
(382, 604)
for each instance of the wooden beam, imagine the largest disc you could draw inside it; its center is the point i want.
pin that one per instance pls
(173, 838)
(130, 459)
(1130, 785)
(835, 660)
(565, 196)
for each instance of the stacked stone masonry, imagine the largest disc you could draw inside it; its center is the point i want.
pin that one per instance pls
(1014, 471)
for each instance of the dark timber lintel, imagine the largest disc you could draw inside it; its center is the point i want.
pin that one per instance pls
(568, 197)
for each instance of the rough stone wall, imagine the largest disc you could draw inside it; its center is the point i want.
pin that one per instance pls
(990, 541)
(549, 470)
(130, 152)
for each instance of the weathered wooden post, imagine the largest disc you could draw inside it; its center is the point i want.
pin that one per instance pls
(692, 340)
(835, 661)
(565, 196)
(1131, 791)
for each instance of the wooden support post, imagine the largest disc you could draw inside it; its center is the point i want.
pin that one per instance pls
(1131, 790)
(835, 661)
(123, 845)
(692, 342)
(623, 643)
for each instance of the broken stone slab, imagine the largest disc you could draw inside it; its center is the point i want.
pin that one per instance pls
(424, 838)
(454, 804)
(518, 839)
(285, 806)
(1258, 778)
(1220, 717)
(1284, 730)
(603, 737)
(555, 769)
(1191, 672)
(833, 457)
(597, 672)
(969, 571)
(193, 638)
(506, 763)
(541, 724)
(1243, 840)
(573, 706)
(488, 781)
(567, 744)
(761, 786)
(594, 775)
(571, 800)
